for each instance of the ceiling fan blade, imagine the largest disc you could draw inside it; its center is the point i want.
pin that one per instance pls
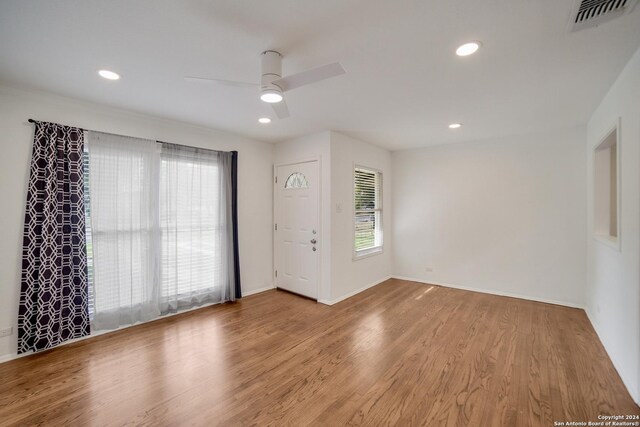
(221, 82)
(310, 76)
(281, 110)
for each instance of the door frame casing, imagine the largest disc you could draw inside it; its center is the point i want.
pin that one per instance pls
(319, 216)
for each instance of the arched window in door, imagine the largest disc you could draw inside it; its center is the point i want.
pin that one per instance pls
(296, 180)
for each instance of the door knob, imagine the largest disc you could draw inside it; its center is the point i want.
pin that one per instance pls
(313, 241)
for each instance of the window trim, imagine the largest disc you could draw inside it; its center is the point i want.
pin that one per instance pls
(376, 250)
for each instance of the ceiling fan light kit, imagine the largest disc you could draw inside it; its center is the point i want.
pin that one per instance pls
(271, 96)
(271, 71)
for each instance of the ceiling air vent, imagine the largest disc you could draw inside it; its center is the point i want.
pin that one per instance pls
(591, 13)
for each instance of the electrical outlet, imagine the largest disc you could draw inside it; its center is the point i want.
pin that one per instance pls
(6, 332)
(428, 270)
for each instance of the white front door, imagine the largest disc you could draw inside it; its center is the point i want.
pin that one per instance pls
(297, 234)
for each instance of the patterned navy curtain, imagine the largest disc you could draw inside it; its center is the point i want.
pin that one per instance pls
(234, 226)
(54, 288)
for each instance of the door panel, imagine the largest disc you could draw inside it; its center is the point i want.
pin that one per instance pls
(297, 263)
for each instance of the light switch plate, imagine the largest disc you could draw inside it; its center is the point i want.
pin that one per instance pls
(5, 332)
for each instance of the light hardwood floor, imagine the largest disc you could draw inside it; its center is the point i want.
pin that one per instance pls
(401, 353)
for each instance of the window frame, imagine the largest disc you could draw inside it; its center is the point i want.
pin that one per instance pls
(378, 210)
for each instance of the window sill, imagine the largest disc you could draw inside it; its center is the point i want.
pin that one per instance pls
(367, 253)
(612, 242)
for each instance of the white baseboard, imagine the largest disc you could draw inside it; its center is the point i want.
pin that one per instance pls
(8, 357)
(491, 292)
(616, 364)
(350, 294)
(257, 291)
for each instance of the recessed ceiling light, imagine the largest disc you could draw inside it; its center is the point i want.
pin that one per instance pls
(455, 125)
(271, 96)
(109, 75)
(264, 120)
(468, 49)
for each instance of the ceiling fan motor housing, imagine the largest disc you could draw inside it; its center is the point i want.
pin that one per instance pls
(271, 70)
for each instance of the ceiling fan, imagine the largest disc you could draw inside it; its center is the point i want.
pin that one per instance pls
(273, 85)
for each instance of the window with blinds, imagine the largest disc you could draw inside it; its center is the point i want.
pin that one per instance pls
(192, 249)
(158, 228)
(367, 191)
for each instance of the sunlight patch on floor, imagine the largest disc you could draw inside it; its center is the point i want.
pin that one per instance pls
(423, 294)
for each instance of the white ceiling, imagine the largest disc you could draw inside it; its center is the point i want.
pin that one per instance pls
(403, 85)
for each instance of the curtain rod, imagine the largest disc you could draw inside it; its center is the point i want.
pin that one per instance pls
(127, 136)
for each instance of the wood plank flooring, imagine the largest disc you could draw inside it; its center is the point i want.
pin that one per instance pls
(401, 353)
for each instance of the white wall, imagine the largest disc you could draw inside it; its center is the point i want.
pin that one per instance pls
(504, 216)
(349, 276)
(17, 106)
(315, 146)
(613, 278)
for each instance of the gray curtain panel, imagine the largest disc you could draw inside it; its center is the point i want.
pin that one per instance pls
(229, 190)
(54, 290)
(233, 179)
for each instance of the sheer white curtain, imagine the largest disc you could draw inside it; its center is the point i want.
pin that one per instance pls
(194, 219)
(161, 228)
(123, 176)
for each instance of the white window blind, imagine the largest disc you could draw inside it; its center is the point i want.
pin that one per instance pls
(367, 211)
